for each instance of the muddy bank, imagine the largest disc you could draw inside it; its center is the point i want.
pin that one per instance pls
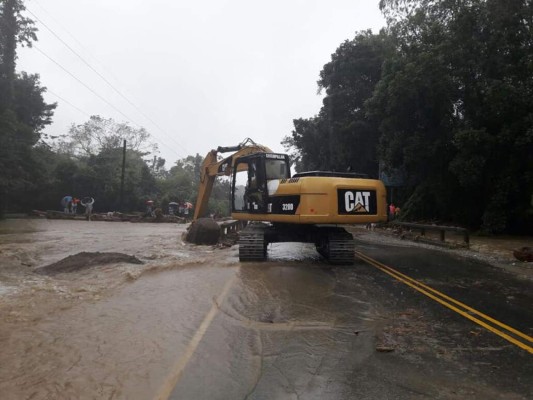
(86, 260)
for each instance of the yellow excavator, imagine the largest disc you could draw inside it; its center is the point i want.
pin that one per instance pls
(306, 207)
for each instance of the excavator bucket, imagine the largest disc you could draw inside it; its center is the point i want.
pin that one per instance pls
(203, 231)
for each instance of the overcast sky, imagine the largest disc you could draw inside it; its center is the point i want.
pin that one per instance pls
(195, 74)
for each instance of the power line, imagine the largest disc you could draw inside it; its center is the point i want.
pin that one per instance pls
(104, 79)
(93, 91)
(102, 66)
(84, 84)
(68, 102)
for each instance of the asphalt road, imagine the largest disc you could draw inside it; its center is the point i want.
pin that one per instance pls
(307, 330)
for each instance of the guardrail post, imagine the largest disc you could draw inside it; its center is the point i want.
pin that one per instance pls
(442, 230)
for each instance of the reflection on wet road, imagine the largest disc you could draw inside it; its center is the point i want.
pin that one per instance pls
(283, 332)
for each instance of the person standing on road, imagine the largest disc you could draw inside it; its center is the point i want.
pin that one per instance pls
(397, 212)
(392, 211)
(149, 208)
(88, 202)
(66, 203)
(75, 202)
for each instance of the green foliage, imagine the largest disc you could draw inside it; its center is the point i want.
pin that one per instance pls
(181, 182)
(455, 99)
(19, 170)
(14, 29)
(474, 147)
(52, 173)
(443, 94)
(103, 180)
(341, 136)
(220, 198)
(29, 105)
(307, 142)
(23, 112)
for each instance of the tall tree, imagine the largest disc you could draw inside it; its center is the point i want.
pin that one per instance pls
(23, 112)
(14, 28)
(454, 108)
(341, 136)
(98, 134)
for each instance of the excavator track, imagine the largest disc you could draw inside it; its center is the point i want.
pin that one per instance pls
(337, 246)
(252, 245)
(341, 248)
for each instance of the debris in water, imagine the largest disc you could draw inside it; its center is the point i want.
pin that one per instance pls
(384, 349)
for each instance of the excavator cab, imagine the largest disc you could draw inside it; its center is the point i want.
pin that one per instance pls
(254, 177)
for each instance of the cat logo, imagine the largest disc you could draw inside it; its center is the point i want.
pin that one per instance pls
(352, 201)
(356, 201)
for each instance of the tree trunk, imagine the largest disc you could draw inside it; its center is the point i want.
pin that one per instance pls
(8, 28)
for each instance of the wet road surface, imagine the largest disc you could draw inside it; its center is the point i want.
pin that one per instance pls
(311, 331)
(194, 323)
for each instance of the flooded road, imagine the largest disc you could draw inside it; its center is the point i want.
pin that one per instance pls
(194, 323)
(102, 332)
(283, 332)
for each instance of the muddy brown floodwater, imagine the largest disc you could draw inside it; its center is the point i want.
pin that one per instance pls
(99, 332)
(118, 330)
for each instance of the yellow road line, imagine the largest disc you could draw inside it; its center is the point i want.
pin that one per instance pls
(479, 313)
(432, 293)
(175, 374)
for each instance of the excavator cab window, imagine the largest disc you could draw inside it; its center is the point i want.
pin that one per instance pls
(255, 189)
(251, 175)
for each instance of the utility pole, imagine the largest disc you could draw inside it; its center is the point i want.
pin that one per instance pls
(122, 177)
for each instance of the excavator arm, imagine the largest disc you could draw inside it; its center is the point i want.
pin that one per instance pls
(213, 167)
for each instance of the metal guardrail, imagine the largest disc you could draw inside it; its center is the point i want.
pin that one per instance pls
(231, 226)
(440, 228)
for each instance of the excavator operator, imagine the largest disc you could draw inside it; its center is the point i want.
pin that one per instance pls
(254, 189)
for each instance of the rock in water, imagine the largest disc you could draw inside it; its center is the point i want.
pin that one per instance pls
(203, 231)
(524, 254)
